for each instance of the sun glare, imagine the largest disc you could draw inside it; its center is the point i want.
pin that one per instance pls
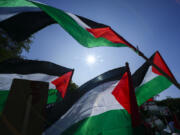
(90, 59)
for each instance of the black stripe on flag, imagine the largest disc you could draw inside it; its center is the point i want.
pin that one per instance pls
(20, 66)
(23, 25)
(112, 75)
(91, 23)
(139, 75)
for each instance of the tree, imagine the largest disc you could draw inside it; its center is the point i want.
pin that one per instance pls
(10, 48)
(73, 86)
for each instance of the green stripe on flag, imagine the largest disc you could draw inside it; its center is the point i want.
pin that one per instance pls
(115, 122)
(151, 88)
(52, 97)
(76, 31)
(16, 3)
(3, 98)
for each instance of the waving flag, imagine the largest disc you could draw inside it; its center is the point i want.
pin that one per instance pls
(148, 81)
(20, 19)
(105, 108)
(87, 32)
(30, 70)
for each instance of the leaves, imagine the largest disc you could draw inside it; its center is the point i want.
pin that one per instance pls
(11, 49)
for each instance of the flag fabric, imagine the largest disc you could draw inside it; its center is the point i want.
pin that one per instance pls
(103, 110)
(150, 100)
(148, 81)
(62, 107)
(30, 70)
(62, 83)
(87, 32)
(20, 19)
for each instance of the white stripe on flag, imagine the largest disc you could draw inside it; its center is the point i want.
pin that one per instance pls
(81, 23)
(6, 79)
(149, 76)
(94, 102)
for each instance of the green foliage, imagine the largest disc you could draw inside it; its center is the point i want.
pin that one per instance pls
(11, 49)
(71, 92)
(73, 86)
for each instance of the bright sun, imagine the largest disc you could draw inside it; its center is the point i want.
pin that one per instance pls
(90, 59)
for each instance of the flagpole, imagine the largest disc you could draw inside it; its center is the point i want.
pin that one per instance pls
(136, 50)
(174, 81)
(135, 116)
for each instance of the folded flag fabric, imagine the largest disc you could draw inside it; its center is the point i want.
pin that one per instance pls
(20, 19)
(104, 109)
(30, 70)
(148, 81)
(87, 32)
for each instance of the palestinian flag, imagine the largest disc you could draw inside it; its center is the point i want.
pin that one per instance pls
(33, 70)
(148, 81)
(104, 109)
(19, 19)
(87, 32)
(61, 108)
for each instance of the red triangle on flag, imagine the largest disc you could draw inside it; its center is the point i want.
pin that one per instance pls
(158, 60)
(62, 83)
(150, 100)
(109, 34)
(125, 95)
(106, 33)
(121, 92)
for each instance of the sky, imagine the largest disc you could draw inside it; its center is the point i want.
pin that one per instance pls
(149, 24)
